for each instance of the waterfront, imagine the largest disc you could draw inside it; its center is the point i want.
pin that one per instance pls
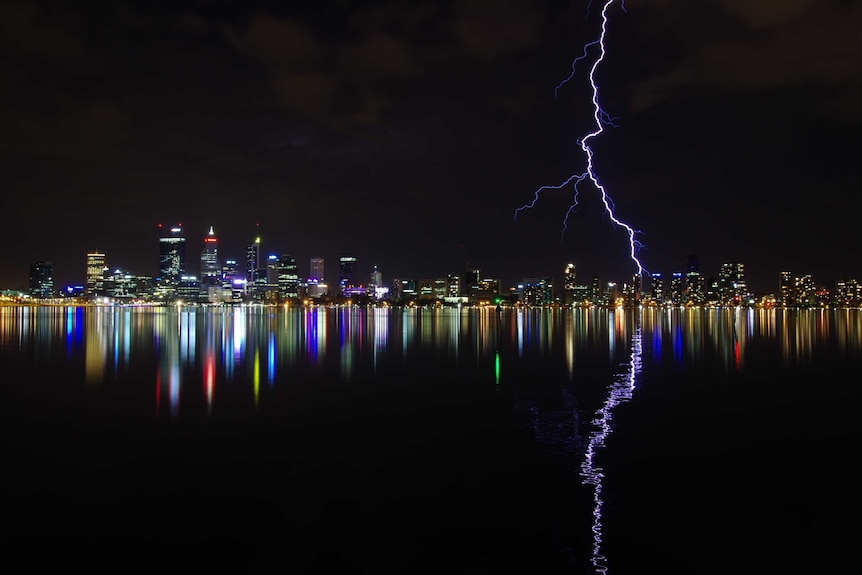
(420, 440)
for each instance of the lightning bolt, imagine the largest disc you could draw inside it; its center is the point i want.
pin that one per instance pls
(602, 119)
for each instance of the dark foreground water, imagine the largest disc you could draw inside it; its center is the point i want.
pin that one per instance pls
(378, 441)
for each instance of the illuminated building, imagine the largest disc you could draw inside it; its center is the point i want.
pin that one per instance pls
(569, 284)
(119, 284)
(694, 287)
(453, 285)
(210, 267)
(536, 291)
(95, 268)
(425, 289)
(731, 284)
(346, 273)
(596, 289)
(804, 291)
(581, 294)
(786, 296)
(611, 294)
(657, 288)
(72, 291)
(470, 285)
(252, 259)
(848, 293)
(677, 289)
(188, 289)
(287, 278)
(712, 291)
(375, 280)
(172, 258)
(255, 272)
(316, 285)
(316, 270)
(42, 280)
(637, 288)
(405, 289)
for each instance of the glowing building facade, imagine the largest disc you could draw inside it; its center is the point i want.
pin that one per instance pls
(95, 270)
(172, 256)
(41, 280)
(210, 266)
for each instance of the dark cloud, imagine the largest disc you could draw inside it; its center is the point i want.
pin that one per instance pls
(403, 130)
(779, 44)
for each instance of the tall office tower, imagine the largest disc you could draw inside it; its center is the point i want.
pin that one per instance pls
(255, 271)
(596, 290)
(210, 267)
(172, 255)
(569, 284)
(233, 282)
(230, 272)
(315, 268)
(657, 288)
(375, 280)
(694, 285)
(252, 260)
(95, 268)
(270, 285)
(42, 280)
(316, 285)
(805, 290)
(731, 283)
(346, 273)
(848, 293)
(713, 292)
(288, 277)
(453, 285)
(785, 290)
(612, 294)
(637, 288)
(470, 285)
(677, 289)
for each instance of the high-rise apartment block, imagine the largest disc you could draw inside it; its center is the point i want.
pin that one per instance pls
(41, 280)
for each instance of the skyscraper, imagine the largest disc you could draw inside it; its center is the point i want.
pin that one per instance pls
(210, 266)
(677, 289)
(657, 292)
(252, 259)
(255, 271)
(316, 269)
(288, 277)
(316, 285)
(569, 280)
(42, 280)
(731, 283)
(785, 289)
(375, 282)
(95, 269)
(172, 255)
(346, 273)
(694, 285)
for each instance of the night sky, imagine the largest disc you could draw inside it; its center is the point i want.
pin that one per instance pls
(407, 133)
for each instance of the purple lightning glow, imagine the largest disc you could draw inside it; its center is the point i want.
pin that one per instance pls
(601, 119)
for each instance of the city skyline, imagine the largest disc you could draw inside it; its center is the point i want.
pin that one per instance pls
(274, 267)
(408, 134)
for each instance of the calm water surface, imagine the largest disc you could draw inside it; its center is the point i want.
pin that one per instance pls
(420, 441)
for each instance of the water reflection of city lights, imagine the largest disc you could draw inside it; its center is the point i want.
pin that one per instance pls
(208, 346)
